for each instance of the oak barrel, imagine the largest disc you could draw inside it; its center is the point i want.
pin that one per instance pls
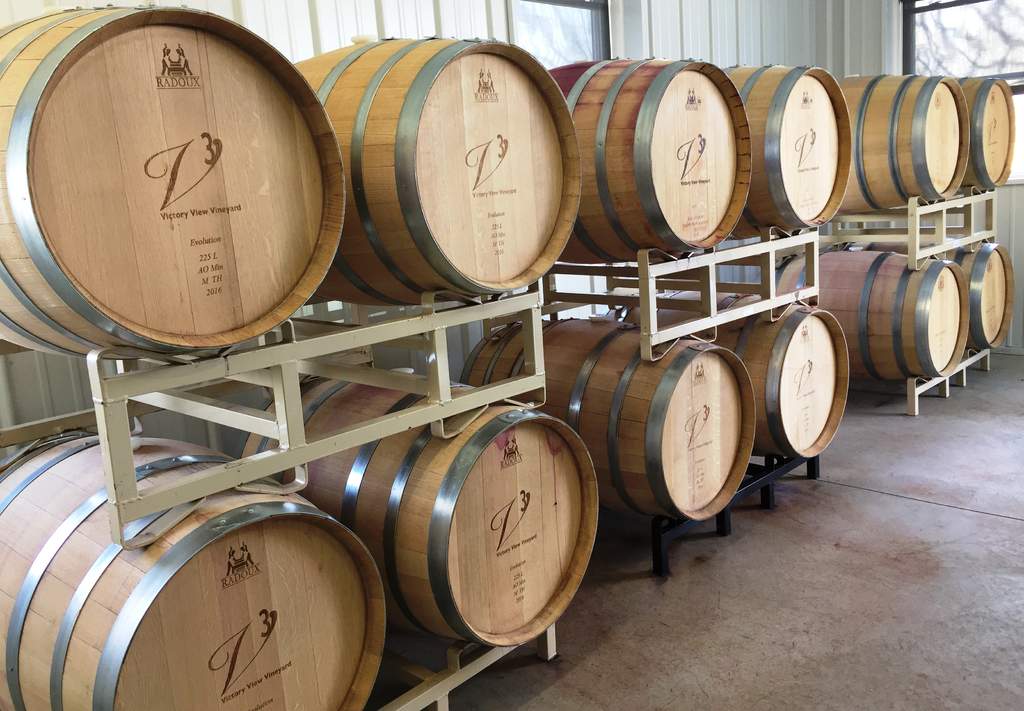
(171, 183)
(911, 138)
(800, 370)
(252, 601)
(990, 283)
(899, 323)
(993, 132)
(671, 437)
(464, 173)
(666, 156)
(483, 537)
(800, 146)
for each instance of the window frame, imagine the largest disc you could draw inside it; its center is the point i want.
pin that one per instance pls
(599, 19)
(912, 8)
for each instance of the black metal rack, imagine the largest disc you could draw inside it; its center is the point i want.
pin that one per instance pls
(759, 477)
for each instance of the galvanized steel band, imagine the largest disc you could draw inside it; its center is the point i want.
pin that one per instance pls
(327, 85)
(858, 142)
(773, 382)
(978, 135)
(601, 156)
(894, 121)
(922, 315)
(898, 304)
(918, 134)
(579, 386)
(612, 435)
(864, 312)
(406, 137)
(573, 97)
(773, 146)
(976, 281)
(27, 481)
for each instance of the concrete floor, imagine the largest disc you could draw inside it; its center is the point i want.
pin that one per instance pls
(895, 582)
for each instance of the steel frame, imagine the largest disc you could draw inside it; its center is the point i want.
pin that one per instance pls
(168, 385)
(464, 661)
(918, 386)
(928, 232)
(641, 285)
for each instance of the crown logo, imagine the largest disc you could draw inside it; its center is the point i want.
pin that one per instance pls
(175, 72)
(240, 567)
(485, 91)
(805, 332)
(806, 101)
(699, 376)
(692, 102)
(510, 455)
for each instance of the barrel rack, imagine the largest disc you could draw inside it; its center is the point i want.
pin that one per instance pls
(927, 231)
(642, 284)
(759, 478)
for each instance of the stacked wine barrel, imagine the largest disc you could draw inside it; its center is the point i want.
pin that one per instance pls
(665, 148)
(483, 537)
(993, 132)
(899, 322)
(670, 437)
(911, 138)
(254, 599)
(800, 138)
(171, 183)
(799, 368)
(464, 174)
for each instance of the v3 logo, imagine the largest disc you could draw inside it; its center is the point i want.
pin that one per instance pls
(507, 515)
(213, 150)
(804, 146)
(226, 655)
(690, 154)
(477, 156)
(696, 423)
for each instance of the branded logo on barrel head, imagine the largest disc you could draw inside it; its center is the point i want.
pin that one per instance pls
(485, 92)
(477, 157)
(805, 332)
(806, 101)
(175, 71)
(693, 102)
(240, 567)
(170, 160)
(699, 377)
(804, 146)
(803, 378)
(510, 455)
(695, 424)
(507, 519)
(690, 153)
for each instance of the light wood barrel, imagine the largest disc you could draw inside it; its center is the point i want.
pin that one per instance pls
(990, 280)
(799, 368)
(171, 183)
(253, 601)
(671, 437)
(993, 132)
(800, 145)
(990, 283)
(899, 323)
(464, 173)
(483, 537)
(911, 138)
(666, 156)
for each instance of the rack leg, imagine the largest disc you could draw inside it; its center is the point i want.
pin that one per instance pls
(813, 468)
(944, 387)
(547, 647)
(723, 522)
(659, 552)
(960, 378)
(768, 496)
(913, 408)
(986, 362)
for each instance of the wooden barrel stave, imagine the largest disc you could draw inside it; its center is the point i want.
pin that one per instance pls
(627, 411)
(53, 295)
(404, 236)
(899, 152)
(817, 185)
(627, 113)
(395, 492)
(993, 132)
(85, 628)
(900, 323)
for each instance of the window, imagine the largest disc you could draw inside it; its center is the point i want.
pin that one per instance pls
(963, 38)
(560, 32)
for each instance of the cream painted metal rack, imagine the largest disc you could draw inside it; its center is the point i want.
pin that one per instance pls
(928, 231)
(643, 284)
(925, 229)
(464, 661)
(279, 366)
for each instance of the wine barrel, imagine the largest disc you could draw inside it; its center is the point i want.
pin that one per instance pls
(993, 132)
(990, 280)
(483, 537)
(252, 601)
(160, 163)
(800, 370)
(990, 283)
(464, 172)
(800, 146)
(671, 437)
(911, 138)
(666, 156)
(901, 323)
